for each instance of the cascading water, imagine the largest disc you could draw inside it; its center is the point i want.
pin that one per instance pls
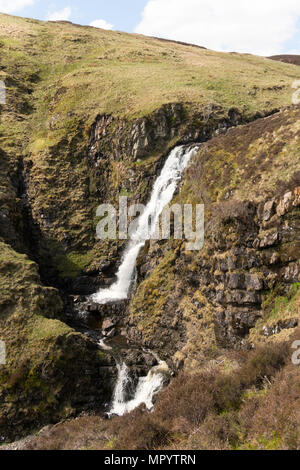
(146, 389)
(162, 194)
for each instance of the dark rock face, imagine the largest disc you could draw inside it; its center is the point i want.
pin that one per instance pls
(111, 138)
(137, 139)
(81, 285)
(239, 303)
(242, 262)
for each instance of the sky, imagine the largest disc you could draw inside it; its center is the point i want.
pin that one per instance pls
(263, 27)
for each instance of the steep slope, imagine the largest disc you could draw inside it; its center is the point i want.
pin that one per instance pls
(89, 115)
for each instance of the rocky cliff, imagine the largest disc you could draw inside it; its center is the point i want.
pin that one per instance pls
(190, 304)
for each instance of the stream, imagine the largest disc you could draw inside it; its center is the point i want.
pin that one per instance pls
(162, 194)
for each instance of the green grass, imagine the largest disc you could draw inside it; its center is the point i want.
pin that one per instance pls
(96, 71)
(277, 309)
(61, 76)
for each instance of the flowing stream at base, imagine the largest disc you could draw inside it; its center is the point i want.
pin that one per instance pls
(162, 194)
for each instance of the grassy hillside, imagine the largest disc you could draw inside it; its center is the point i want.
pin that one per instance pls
(96, 71)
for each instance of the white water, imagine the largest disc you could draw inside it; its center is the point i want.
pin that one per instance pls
(146, 389)
(162, 194)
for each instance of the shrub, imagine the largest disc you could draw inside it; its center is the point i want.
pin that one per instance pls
(186, 402)
(254, 406)
(139, 430)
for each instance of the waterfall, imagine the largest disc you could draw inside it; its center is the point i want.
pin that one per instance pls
(121, 385)
(162, 194)
(146, 389)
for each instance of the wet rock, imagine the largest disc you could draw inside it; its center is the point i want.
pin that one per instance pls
(93, 308)
(82, 285)
(135, 357)
(108, 323)
(110, 333)
(105, 266)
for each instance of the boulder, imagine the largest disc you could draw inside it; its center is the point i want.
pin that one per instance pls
(269, 210)
(108, 323)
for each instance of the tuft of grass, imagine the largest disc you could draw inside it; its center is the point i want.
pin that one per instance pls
(277, 311)
(71, 264)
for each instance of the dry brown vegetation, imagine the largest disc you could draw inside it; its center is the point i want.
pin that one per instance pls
(253, 407)
(250, 162)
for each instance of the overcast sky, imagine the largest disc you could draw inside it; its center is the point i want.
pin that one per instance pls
(263, 27)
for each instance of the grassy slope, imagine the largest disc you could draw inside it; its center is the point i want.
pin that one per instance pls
(45, 376)
(107, 71)
(79, 72)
